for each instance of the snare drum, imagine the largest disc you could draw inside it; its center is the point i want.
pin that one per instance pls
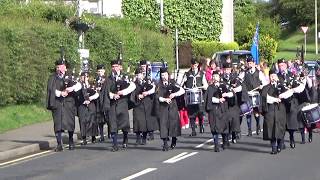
(310, 114)
(245, 108)
(193, 96)
(255, 99)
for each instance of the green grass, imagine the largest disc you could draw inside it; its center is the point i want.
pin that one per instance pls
(290, 41)
(15, 116)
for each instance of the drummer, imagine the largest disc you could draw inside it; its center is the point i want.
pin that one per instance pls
(195, 79)
(254, 80)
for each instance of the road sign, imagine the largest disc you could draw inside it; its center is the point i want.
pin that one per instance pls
(304, 29)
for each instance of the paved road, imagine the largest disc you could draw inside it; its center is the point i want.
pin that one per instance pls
(192, 159)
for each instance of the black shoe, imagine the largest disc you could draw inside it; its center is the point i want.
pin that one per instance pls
(58, 148)
(234, 140)
(310, 139)
(71, 146)
(84, 142)
(173, 145)
(93, 140)
(278, 149)
(143, 141)
(124, 146)
(193, 133)
(249, 133)
(292, 144)
(114, 148)
(258, 131)
(165, 147)
(273, 152)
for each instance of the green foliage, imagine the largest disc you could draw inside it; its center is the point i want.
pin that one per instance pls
(137, 43)
(37, 9)
(30, 42)
(29, 49)
(16, 116)
(195, 19)
(267, 48)
(245, 23)
(208, 48)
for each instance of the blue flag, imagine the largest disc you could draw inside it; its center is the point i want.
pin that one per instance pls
(255, 45)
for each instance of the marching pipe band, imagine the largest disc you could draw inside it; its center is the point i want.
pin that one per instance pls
(225, 96)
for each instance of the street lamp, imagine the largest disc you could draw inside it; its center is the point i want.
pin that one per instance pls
(161, 12)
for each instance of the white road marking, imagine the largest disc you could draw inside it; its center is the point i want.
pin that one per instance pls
(179, 157)
(24, 158)
(200, 145)
(140, 173)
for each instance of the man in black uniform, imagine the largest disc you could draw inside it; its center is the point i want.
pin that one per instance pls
(195, 78)
(119, 89)
(216, 106)
(167, 110)
(273, 106)
(61, 101)
(143, 98)
(101, 115)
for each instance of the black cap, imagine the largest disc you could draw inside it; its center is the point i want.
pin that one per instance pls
(250, 59)
(163, 70)
(215, 72)
(137, 71)
(84, 73)
(272, 71)
(194, 61)
(113, 62)
(100, 66)
(281, 60)
(143, 62)
(60, 62)
(227, 65)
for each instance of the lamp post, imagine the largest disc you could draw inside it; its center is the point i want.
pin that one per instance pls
(161, 12)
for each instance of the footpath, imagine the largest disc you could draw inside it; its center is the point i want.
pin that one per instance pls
(29, 139)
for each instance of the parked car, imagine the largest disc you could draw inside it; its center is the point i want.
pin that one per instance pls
(220, 57)
(313, 67)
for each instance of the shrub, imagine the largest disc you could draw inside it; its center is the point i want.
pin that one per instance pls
(208, 48)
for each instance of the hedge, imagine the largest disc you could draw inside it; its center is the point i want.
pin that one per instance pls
(195, 19)
(29, 46)
(208, 48)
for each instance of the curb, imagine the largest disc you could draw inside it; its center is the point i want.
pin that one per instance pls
(33, 148)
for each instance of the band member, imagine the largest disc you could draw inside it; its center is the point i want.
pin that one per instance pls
(146, 72)
(274, 125)
(87, 109)
(143, 98)
(195, 78)
(233, 108)
(166, 109)
(216, 106)
(101, 114)
(61, 101)
(254, 80)
(119, 89)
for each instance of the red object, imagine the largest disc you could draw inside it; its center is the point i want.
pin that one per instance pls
(184, 119)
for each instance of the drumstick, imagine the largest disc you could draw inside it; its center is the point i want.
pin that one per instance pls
(254, 89)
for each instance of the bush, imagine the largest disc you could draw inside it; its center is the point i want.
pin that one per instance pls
(195, 19)
(29, 49)
(30, 42)
(208, 48)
